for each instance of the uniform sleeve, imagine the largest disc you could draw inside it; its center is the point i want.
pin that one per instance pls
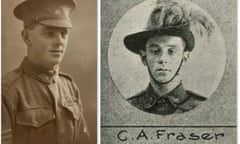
(6, 126)
(83, 133)
(8, 108)
(6, 120)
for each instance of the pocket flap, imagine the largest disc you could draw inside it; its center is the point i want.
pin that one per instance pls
(35, 117)
(74, 108)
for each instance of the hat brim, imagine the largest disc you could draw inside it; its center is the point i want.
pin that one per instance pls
(135, 42)
(57, 23)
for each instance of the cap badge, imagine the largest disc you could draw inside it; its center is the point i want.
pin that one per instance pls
(58, 12)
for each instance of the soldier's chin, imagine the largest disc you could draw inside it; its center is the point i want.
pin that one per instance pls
(161, 80)
(55, 61)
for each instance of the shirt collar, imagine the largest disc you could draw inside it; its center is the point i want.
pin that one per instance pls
(39, 73)
(176, 97)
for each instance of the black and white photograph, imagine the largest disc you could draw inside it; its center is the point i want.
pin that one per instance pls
(49, 72)
(168, 71)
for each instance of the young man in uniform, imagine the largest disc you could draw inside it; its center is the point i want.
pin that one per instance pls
(164, 47)
(41, 105)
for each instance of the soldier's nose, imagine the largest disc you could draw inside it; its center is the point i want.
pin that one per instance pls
(162, 59)
(59, 40)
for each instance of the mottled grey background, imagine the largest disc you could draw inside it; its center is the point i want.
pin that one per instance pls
(80, 60)
(201, 73)
(219, 109)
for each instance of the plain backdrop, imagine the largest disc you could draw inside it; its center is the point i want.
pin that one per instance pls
(80, 60)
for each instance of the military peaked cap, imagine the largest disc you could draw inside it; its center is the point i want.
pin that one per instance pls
(48, 12)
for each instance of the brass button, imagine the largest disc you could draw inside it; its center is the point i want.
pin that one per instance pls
(36, 122)
(150, 99)
(46, 78)
(176, 100)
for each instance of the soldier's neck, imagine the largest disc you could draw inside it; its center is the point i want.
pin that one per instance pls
(48, 67)
(164, 89)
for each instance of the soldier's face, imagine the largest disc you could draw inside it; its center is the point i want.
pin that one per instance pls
(46, 45)
(163, 56)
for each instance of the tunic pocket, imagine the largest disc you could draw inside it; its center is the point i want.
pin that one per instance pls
(74, 108)
(35, 117)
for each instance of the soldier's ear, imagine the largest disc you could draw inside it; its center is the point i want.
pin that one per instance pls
(25, 37)
(186, 56)
(142, 54)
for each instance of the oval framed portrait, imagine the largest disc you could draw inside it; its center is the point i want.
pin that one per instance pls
(142, 49)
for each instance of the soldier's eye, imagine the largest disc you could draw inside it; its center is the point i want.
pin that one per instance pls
(155, 51)
(49, 33)
(64, 33)
(171, 51)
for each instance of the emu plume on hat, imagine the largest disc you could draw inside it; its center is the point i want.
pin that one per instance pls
(174, 19)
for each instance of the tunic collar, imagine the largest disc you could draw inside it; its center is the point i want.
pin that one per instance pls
(39, 73)
(176, 97)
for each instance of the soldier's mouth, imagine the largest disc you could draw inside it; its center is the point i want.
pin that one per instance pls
(163, 70)
(56, 51)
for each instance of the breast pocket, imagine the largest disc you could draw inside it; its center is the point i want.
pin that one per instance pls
(35, 117)
(74, 108)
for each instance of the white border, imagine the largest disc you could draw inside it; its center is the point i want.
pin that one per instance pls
(238, 68)
(98, 71)
(1, 69)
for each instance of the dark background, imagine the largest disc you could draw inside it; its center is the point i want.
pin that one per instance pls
(80, 60)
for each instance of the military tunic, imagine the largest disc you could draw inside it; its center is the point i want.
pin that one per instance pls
(178, 100)
(41, 107)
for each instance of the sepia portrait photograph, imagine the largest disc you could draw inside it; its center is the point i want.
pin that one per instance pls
(49, 72)
(168, 64)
